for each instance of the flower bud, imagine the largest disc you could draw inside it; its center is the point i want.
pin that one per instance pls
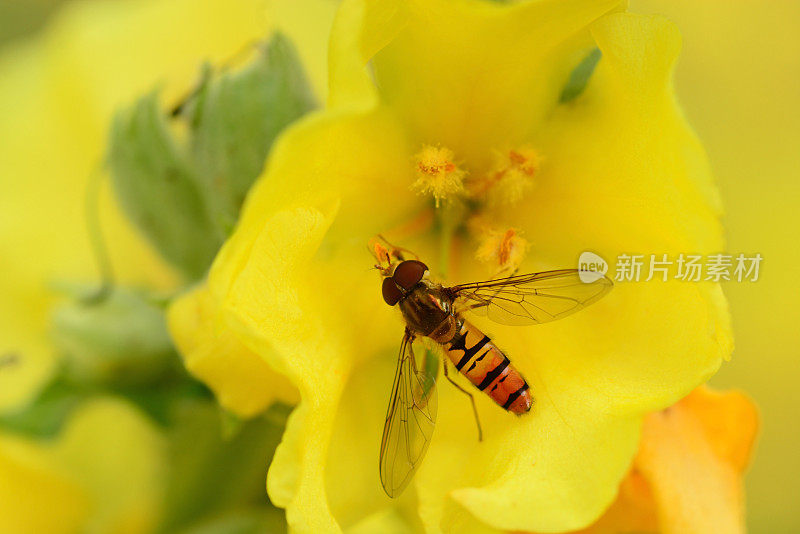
(158, 188)
(121, 340)
(236, 120)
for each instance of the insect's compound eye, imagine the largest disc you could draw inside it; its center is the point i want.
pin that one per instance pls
(391, 293)
(409, 273)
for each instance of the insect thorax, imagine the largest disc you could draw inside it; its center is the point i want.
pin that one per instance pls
(427, 310)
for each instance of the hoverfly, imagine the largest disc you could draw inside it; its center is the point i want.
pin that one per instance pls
(434, 311)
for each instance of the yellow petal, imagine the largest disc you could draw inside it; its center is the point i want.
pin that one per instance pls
(312, 320)
(285, 244)
(611, 157)
(611, 183)
(388, 521)
(241, 380)
(555, 469)
(361, 28)
(355, 494)
(36, 493)
(614, 185)
(104, 473)
(480, 75)
(729, 78)
(120, 457)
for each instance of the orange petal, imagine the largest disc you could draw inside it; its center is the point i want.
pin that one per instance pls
(687, 474)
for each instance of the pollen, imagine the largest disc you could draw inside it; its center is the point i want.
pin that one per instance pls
(437, 174)
(512, 175)
(381, 253)
(505, 249)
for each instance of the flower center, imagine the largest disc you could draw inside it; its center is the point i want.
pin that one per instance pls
(510, 177)
(468, 191)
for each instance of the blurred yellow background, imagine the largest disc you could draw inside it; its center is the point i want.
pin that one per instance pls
(738, 79)
(739, 82)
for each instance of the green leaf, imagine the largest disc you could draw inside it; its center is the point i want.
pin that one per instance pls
(236, 119)
(159, 190)
(121, 340)
(580, 76)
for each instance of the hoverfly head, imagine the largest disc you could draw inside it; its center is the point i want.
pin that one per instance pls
(400, 275)
(409, 273)
(406, 276)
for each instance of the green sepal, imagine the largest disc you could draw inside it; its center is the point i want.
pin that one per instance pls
(159, 189)
(236, 118)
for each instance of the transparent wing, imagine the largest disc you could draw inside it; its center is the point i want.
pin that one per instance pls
(409, 420)
(532, 298)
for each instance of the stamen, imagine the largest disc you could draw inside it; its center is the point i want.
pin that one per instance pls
(511, 176)
(505, 249)
(437, 173)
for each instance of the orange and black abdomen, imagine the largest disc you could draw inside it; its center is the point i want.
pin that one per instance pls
(477, 358)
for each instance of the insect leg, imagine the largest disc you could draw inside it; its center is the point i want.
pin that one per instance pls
(471, 399)
(397, 252)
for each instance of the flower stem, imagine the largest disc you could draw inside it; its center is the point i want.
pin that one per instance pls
(449, 219)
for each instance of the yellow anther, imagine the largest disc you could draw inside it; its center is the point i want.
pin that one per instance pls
(505, 249)
(512, 175)
(437, 174)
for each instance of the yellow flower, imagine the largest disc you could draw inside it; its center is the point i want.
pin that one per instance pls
(624, 173)
(104, 473)
(686, 477)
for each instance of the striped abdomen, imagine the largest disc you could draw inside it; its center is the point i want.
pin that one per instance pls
(477, 358)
